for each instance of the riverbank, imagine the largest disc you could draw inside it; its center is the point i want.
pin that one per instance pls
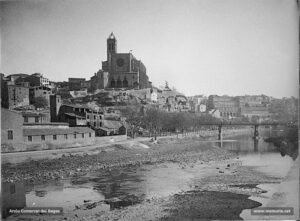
(222, 179)
(285, 195)
(113, 156)
(221, 192)
(21, 157)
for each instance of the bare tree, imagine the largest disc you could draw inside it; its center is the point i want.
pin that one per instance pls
(40, 102)
(134, 118)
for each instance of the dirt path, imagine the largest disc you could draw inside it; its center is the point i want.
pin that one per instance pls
(20, 157)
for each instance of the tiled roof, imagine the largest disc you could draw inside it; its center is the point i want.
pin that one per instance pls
(74, 115)
(57, 131)
(46, 124)
(82, 106)
(77, 105)
(106, 129)
(33, 114)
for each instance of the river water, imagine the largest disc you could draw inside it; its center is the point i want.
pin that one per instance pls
(148, 181)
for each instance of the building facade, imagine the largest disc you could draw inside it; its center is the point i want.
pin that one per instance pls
(75, 83)
(40, 91)
(227, 106)
(36, 117)
(11, 130)
(125, 71)
(35, 79)
(19, 136)
(13, 197)
(17, 96)
(99, 80)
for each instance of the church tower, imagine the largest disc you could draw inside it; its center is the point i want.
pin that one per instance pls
(111, 44)
(111, 49)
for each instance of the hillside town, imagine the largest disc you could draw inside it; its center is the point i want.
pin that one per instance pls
(149, 110)
(40, 113)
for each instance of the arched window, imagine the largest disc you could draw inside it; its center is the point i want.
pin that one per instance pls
(125, 82)
(119, 82)
(112, 83)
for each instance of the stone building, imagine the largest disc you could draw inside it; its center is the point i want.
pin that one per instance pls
(12, 78)
(19, 136)
(254, 106)
(35, 79)
(75, 83)
(74, 114)
(11, 130)
(99, 80)
(17, 96)
(120, 70)
(56, 135)
(39, 91)
(37, 117)
(43, 81)
(13, 197)
(228, 106)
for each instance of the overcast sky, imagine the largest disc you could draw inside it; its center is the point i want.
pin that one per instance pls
(232, 47)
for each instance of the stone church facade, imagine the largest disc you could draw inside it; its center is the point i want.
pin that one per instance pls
(120, 70)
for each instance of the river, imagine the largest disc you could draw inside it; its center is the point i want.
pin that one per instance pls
(160, 180)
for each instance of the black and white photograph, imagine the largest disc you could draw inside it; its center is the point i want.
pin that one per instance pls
(149, 110)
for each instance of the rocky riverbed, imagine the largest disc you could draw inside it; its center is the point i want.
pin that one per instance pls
(119, 155)
(222, 193)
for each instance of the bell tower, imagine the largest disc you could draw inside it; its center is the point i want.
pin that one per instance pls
(111, 49)
(111, 44)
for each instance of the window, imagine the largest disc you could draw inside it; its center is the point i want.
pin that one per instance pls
(94, 124)
(36, 119)
(10, 135)
(30, 138)
(66, 136)
(74, 136)
(82, 135)
(26, 119)
(90, 134)
(54, 137)
(88, 116)
(94, 117)
(43, 137)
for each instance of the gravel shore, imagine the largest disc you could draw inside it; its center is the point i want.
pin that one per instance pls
(222, 194)
(113, 156)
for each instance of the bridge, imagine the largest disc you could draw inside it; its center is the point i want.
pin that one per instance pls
(255, 125)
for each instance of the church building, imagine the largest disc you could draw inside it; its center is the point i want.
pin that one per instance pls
(120, 70)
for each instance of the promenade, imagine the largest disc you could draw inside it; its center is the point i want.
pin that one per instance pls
(19, 157)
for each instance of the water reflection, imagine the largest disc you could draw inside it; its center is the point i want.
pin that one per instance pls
(13, 197)
(147, 180)
(255, 141)
(264, 156)
(61, 194)
(117, 182)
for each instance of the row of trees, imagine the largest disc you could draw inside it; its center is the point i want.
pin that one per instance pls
(156, 121)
